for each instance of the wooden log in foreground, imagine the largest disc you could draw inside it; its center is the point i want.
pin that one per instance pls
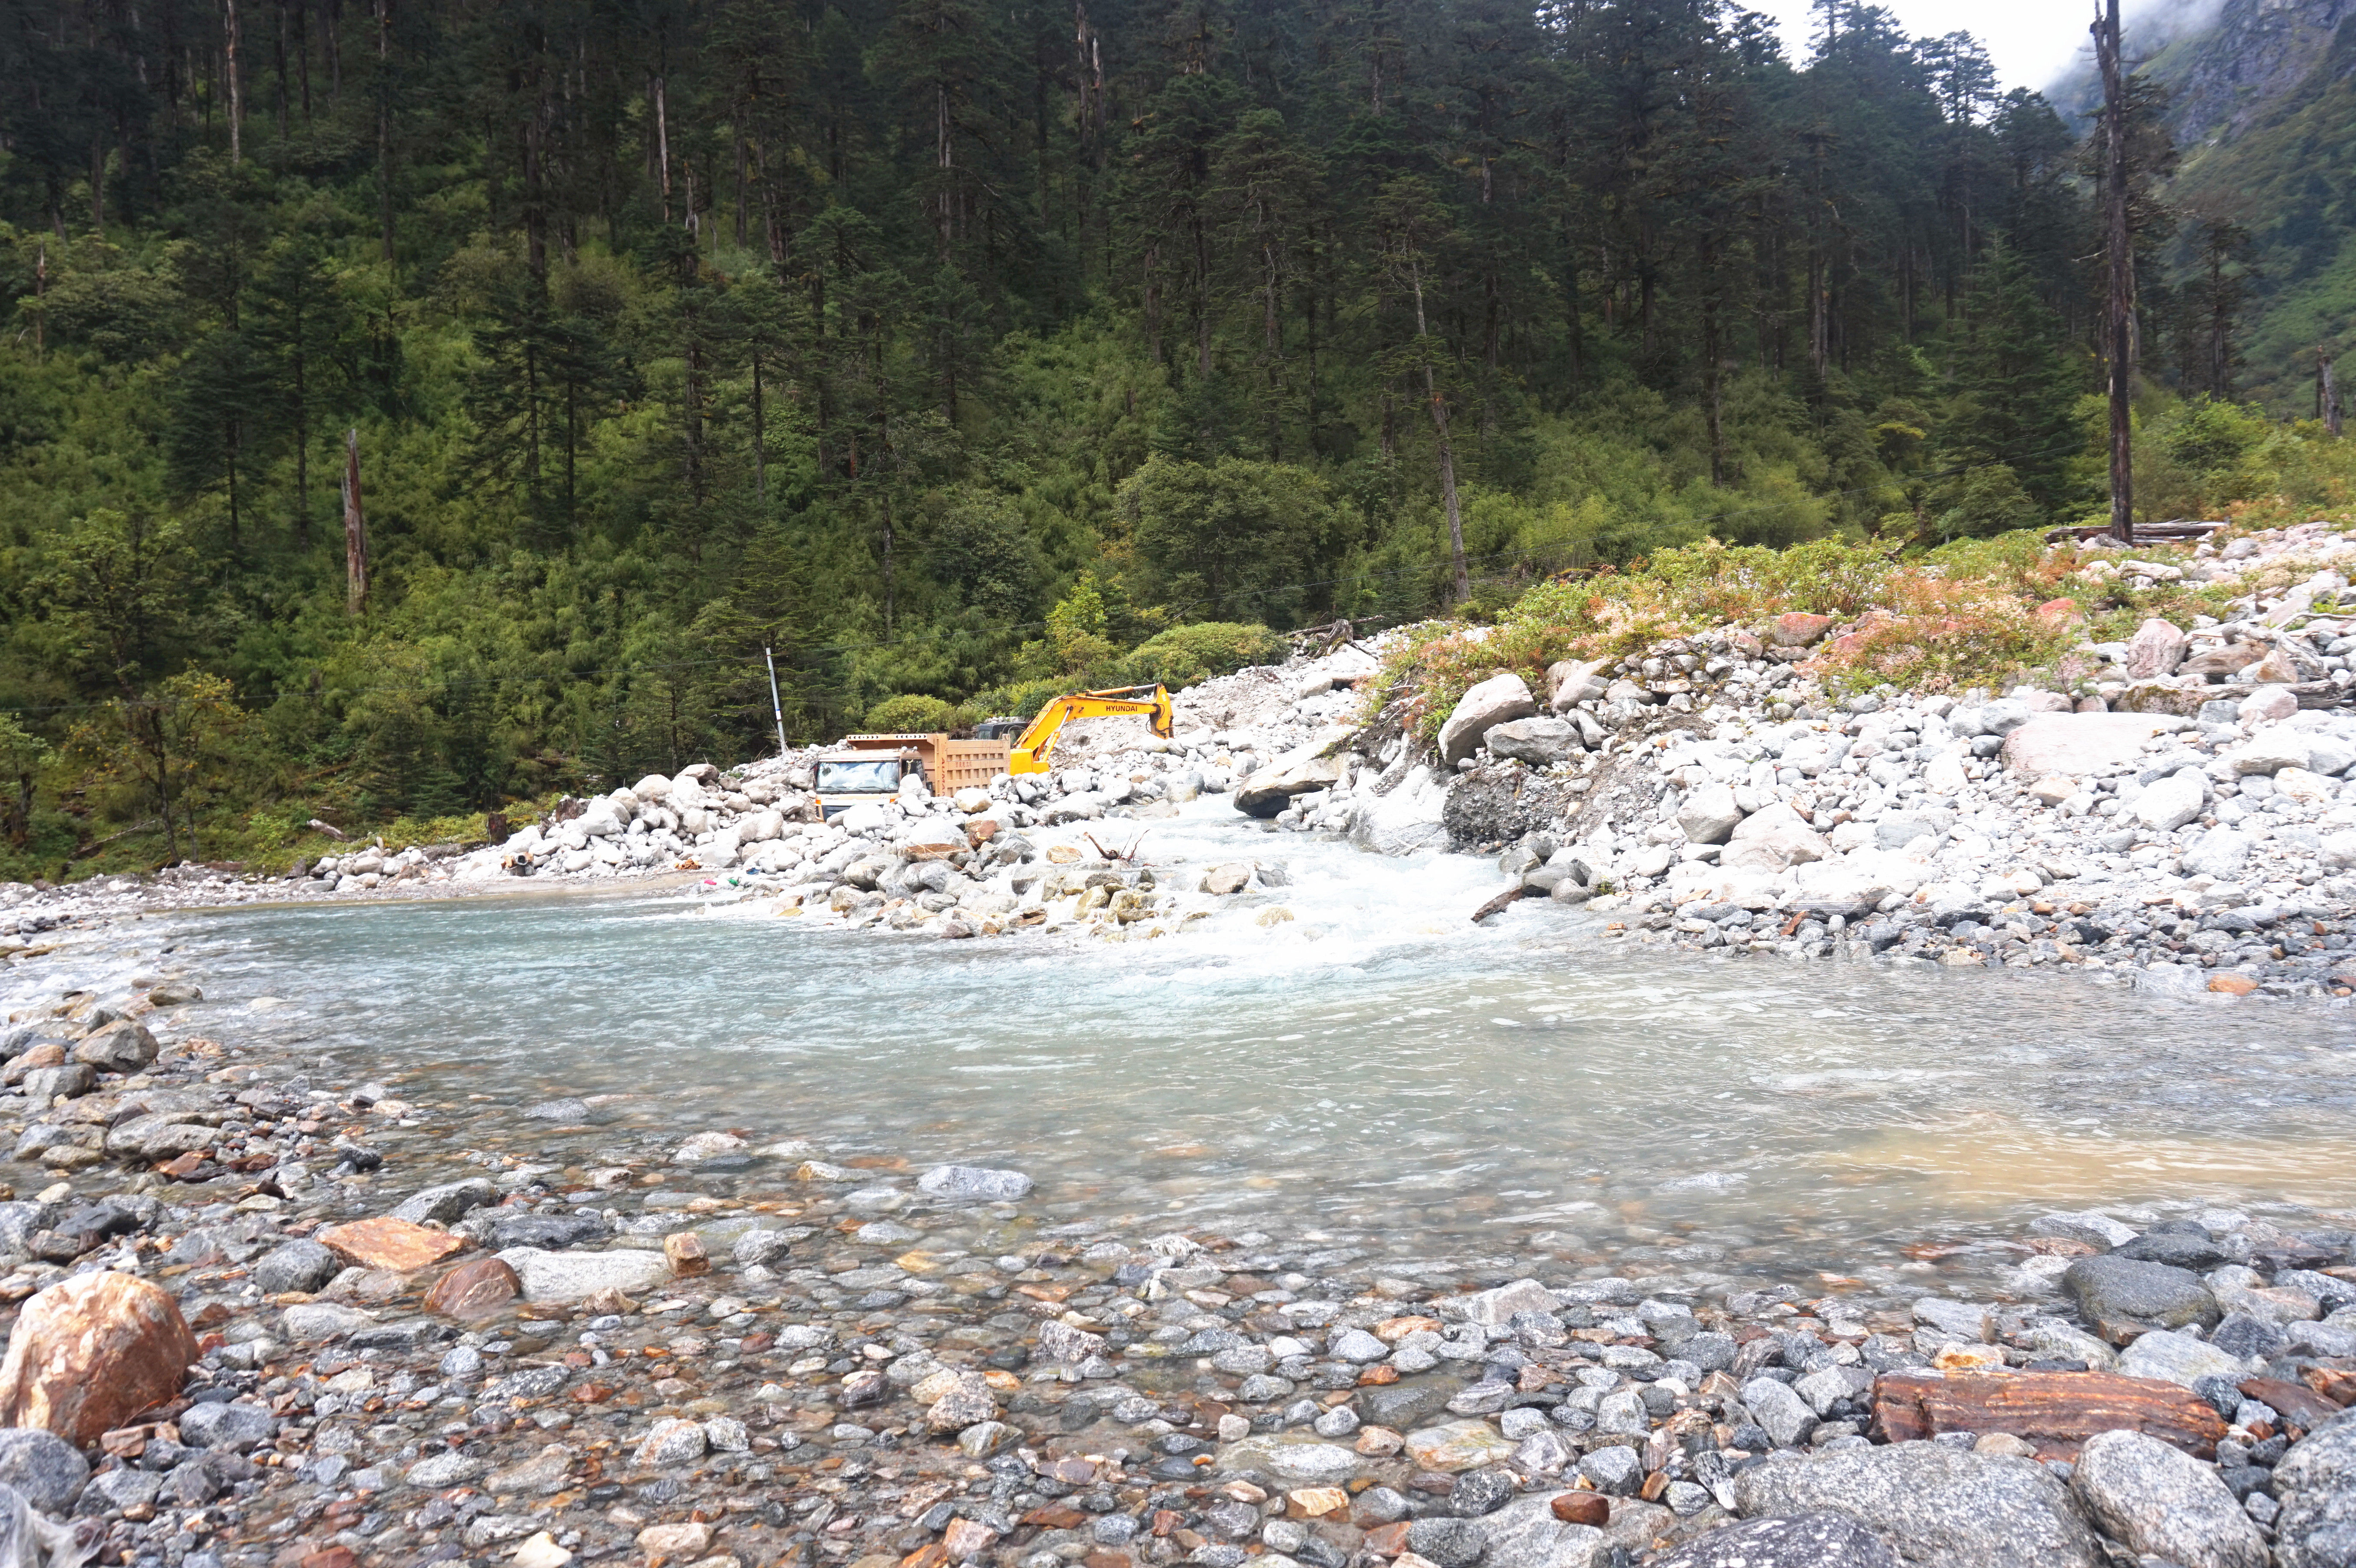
(2053, 1411)
(1510, 895)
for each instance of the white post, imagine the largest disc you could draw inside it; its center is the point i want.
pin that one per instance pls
(775, 707)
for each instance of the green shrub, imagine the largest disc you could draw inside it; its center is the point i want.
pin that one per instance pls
(1184, 656)
(909, 711)
(1021, 700)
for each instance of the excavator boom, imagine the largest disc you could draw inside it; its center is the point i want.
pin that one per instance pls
(1031, 750)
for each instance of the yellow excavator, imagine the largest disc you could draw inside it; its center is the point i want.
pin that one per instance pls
(1030, 750)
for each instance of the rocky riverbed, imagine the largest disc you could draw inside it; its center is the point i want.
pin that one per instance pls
(264, 1314)
(267, 1309)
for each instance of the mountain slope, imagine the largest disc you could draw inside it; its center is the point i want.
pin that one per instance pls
(2263, 105)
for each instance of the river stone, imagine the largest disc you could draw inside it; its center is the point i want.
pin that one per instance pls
(2181, 1359)
(1458, 1445)
(1448, 1543)
(302, 1266)
(1495, 1308)
(1524, 1533)
(2123, 1298)
(319, 1322)
(1782, 1414)
(549, 1231)
(974, 1182)
(2162, 1501)
(449, 1202)
(2077, 744)
(1710, 814)
(226, 1424)
(1404, 1405)
(441, 1471)
(562, 1278)
(48, 1470)
(672, 1442)
(2096, 1230)
(1497, 701)
(2172, 802)
(1801, 1540)
(2316, 1483)
(1615, 1471)
(543, 1473)
(125, 1047)
(558, 1111)
(1540, 742)
(1937, 1507)
(1358, 1345)
(1293, 1457)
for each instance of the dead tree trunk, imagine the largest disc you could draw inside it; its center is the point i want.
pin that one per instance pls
(2117, 243)
(356, 570)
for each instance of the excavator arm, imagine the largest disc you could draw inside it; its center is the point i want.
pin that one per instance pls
(1030, 751)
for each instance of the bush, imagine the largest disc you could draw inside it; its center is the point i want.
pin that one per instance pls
(1021, 700)
(909, 711)
(1185, 655)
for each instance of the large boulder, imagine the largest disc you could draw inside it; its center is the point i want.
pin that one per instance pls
(123, 1047)
(90, 1352)
(2077, 744)
(1937, 1507)
(2316, 1483)
(1803, 1540)
(1408, 819)
(1769, 840)
(1709, 815)
(1541, 742)
(2155, 649)
(2161, 1501)
(1570, 683)
(1270, 789)
(1500, 699)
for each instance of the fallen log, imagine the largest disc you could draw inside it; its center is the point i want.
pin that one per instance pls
(1509, 896)
(2052, 1412)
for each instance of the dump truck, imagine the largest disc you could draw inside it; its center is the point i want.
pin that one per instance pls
(861, 768)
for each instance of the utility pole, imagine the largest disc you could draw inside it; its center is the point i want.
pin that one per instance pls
(2118, 242)
(775, 707)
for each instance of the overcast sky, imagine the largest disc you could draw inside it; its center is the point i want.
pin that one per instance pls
(2031, 41)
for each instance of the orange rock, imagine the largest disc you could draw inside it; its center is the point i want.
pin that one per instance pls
(2233, 985)
(1386, 1540)
(684, 1253)
(1582, 1508)
(2058, 613)
(1798, 630)
(473, 1289)
(966, 1538)
(91, 1352)
(388, 1244)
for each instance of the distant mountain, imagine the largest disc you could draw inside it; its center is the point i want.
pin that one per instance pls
(2263, 105)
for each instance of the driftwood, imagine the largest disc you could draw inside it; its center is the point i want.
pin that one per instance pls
(2053, 1411)
(1509, 896)
(2173, 532)
(316, 825)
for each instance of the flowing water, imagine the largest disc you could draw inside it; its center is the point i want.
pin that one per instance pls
(1375, 1072)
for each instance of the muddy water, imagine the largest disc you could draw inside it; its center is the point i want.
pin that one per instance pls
(1372, 1072)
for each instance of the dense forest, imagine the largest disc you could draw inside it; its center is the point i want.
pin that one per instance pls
(414, 408)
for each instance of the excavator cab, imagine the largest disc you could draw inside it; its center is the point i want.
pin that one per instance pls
(1029, 754)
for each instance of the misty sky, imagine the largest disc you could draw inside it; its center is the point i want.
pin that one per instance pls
(2031, 41)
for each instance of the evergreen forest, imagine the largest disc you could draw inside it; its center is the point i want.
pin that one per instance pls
(416, 407)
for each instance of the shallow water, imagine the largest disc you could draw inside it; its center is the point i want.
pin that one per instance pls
(1375, 1072)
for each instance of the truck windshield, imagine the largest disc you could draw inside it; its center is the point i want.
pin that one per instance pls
(880, 777)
